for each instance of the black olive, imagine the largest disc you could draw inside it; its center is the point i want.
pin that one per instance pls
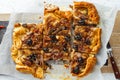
(81, 22)
(53, 38)
(29, 42)
(78, 37)
(32, 57)
(76, 70)
(46, 49)
(87, 41)
(75, 47)
(65, 49)
(68, 38)
(24, 25)
(80, 60)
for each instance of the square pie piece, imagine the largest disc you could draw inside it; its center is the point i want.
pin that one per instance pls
(85, 13)
(27, 36)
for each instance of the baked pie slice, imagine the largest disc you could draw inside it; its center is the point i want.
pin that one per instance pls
(85, 13)
(57, 34)
(29, 61)
(82, 63)
(27, 36)
(87, 38)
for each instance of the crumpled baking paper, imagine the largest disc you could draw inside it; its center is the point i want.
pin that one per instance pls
(7, 66)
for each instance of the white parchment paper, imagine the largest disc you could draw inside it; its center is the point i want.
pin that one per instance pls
(7, 66)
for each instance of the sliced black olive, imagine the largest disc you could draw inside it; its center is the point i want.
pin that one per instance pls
(24, 25)
(53, 38)
(29, 42)
(75, 47)
(65, 49)
(46, 49)
(32, 57)
(80, 60)
(81, 22)
(87, 41)
(76, 70)
(68, 38)
(78, 37)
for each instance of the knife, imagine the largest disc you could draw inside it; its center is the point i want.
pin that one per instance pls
(113, 63)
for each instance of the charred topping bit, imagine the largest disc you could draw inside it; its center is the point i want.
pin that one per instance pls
(73, 27)
(81, 22)
(94, 25)
(75, 47)
(51, 31)
(78, 37)
(76, 70)
(29, 42)
(49, 65)
(65, 49)
(87, 41)
(68, 38)
(53, 38)
(24, 25)
(46, 49)
(80, 60)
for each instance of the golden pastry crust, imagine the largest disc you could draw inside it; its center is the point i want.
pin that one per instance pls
(87, 11)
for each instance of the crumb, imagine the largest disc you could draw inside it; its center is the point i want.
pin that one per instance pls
(66, 65)
(71, 6)
(65, 78)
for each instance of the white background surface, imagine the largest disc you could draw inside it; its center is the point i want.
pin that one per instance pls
(10, 6)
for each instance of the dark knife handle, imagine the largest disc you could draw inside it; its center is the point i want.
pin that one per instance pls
(115, 68)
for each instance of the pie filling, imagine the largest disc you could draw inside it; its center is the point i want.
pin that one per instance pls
(64, 35)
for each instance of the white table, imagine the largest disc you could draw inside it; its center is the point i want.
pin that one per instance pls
(10, 6)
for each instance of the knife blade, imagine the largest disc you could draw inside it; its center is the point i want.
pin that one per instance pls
(113, 63)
